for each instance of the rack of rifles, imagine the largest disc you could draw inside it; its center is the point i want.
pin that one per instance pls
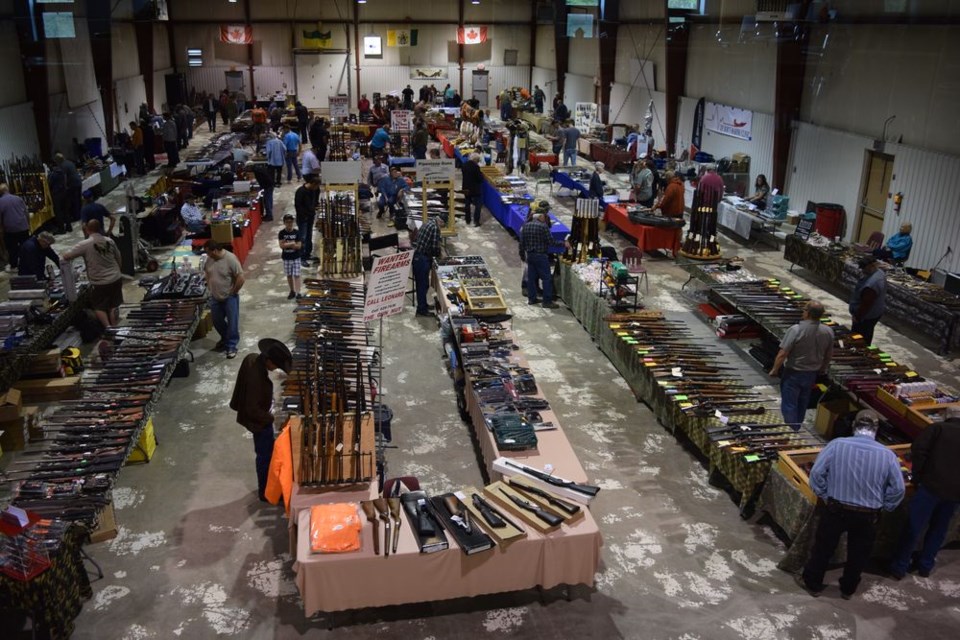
(67, 473)
(341, 226)
(682, 370)
(26, 178)
(333, 379)
(700, 241)
(855, 365)
(584, 232)
(339, 143)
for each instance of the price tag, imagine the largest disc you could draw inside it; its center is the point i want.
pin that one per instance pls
(911, 374)
(686, 405)
(339, 447)
(615, 326)
(643, 352)
(717, 413)
(682, 398)
(822, 387)
(649, 364)
(623, 333)
(677, 372)
(460, 495)
(878, 371)
(873, 348)
(670, 391)
(883, 355)
(840, 343)
(648, 359)
(723, 443)
(752, 458)
(724, 420)
(662, 383)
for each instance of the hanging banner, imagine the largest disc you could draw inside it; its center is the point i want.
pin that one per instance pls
(401, 120)
(317, 39)
(236, 33)
(339, 106)
(729, 121)
(696, 139)
(387, 286)
(584, 115)
(401, 37)
(471, 35)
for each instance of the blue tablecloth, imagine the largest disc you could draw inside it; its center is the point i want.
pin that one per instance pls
(564, 180)
(512, 216)
(459, 156)
(403, 162)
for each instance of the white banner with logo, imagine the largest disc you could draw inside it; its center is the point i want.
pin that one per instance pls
(729, 121)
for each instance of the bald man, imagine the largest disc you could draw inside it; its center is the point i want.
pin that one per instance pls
(805, 353)
(102, 258)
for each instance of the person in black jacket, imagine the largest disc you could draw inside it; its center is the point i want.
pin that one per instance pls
(934, 454)
(473, 187)
(305, 203)
(57, 181)
(264, 177)
(34, 253)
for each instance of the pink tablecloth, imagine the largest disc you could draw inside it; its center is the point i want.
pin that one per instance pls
(337, 582)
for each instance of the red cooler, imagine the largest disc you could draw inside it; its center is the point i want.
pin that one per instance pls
(830, 219)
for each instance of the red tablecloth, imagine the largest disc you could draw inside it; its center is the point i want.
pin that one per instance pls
(447, 146)
(537, 158)
(648, 237)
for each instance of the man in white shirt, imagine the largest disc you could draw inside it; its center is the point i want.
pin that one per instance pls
(309, 164)
(192, 215)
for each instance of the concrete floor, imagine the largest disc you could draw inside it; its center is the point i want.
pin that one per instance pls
(198, 556)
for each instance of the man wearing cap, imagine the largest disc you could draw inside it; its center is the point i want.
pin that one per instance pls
(224, 277)
(35, 252)
(934, 455)
(424, 252)
(192, 215)
(855, 479)
(869, 298)
(253, 401)
(535, 242)
(805, 352)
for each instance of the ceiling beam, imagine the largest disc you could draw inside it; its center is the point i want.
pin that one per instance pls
(561, 44)
(678, 41)
(791, 68)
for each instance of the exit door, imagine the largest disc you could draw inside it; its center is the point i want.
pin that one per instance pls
(873, 194)
(481, 88)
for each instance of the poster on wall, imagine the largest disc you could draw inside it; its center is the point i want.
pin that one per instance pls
(729, 121)
(339, 106)
(401, 120)
(372, 47)
(584, 115)
(428, 73)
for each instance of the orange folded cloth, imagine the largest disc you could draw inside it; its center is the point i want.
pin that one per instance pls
(335, 528)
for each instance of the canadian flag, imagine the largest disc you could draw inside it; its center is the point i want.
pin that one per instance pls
(471, 35)
(236, 34)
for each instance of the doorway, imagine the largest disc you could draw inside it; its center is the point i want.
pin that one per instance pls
(877, 174)
(480, 87)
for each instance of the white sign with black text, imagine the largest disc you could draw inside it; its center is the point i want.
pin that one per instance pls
(436, 170)
(387, 286)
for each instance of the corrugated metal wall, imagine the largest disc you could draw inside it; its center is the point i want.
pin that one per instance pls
(760, 148)
(826, 166)
(930, 183)
(269, 80)
(630, 107)
(129, 93)
(501, 78)
(82, 122)
(547, 80)
(18, 131)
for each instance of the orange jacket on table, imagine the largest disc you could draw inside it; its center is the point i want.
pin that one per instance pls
(280, 476)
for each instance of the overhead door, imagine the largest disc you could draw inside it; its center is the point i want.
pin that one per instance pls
(319, 76)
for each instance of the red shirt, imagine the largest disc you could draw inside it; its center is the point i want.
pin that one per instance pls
(363, 105)
(672, 203)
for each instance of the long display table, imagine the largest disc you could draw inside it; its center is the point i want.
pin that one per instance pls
(648, 237)
(513, 216)
(565, 181)
(924, 306)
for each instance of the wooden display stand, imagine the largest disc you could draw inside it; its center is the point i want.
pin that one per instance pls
(450, 229)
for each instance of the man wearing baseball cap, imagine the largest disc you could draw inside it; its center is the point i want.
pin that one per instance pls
(869, 298)
(253, 400)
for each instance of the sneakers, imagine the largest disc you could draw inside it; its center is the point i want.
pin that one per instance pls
(291, 295)
(231, 354)
(797, 578)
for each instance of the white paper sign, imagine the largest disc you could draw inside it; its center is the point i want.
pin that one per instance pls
(339, 106)
(584, 114)
(401, 120)
(387, 287)
(340, 172)
(729, 121)
(436, 170)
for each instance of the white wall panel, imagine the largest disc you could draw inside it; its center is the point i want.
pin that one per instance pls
(584, 56)
(269, 80)
(130, 93)
(639, 10)
(734, 70)
(546, 47)
(641, 42)
(229, 12)
(83, 122)
(630, 106)
(18, 131)
(123, 45)
(301, 10)
(161, 48)
(930, 183)
(501, 78)
(826, 166)
(212, 79)
(398, 9)
(577, 89)
(12, 90)
(489, 10)
(546, 78)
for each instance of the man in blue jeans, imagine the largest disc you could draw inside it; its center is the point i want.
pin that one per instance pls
(224, 279)
(291, 143)
(934, 454)
(535, 242)
(805, 352)
(253, 401)
(426, 249)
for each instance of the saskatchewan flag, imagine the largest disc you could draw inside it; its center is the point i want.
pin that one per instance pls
(401, 37)
(317, 39)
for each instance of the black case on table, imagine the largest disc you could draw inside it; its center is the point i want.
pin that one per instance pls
(427, 543)
(473, 542)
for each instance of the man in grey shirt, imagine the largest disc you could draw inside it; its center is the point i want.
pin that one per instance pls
(569, 134)
(14, 223)
(170, 140)
(869, 298)
(102, 258)
(805, 352)
(224, 279)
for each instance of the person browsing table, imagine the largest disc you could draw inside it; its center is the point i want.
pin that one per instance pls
(224, 277)
(805, 353)
(426, 249)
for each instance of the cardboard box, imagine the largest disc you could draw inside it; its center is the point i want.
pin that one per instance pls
(44, 364)
(106, 526)
(10, 404)
(14, 436)
(146, 445)
(222, 231)
(827, 413)
(49, 389)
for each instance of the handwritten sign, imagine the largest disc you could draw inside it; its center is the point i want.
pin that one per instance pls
(387, 287)
(339, 106)
(436, 170)
(401, 120)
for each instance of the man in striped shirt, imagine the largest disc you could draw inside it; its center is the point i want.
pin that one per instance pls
(854, 478)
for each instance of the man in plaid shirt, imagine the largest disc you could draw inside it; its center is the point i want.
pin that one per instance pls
(426, 249)
(535, 241)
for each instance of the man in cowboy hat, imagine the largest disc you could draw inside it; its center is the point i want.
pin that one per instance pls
(253, 400)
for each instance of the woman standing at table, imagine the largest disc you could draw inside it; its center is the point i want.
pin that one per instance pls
(763, 190)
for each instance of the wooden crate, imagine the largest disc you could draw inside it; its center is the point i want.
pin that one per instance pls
(789, 463)
(925, 415)
(49, 389)
(483, 302)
